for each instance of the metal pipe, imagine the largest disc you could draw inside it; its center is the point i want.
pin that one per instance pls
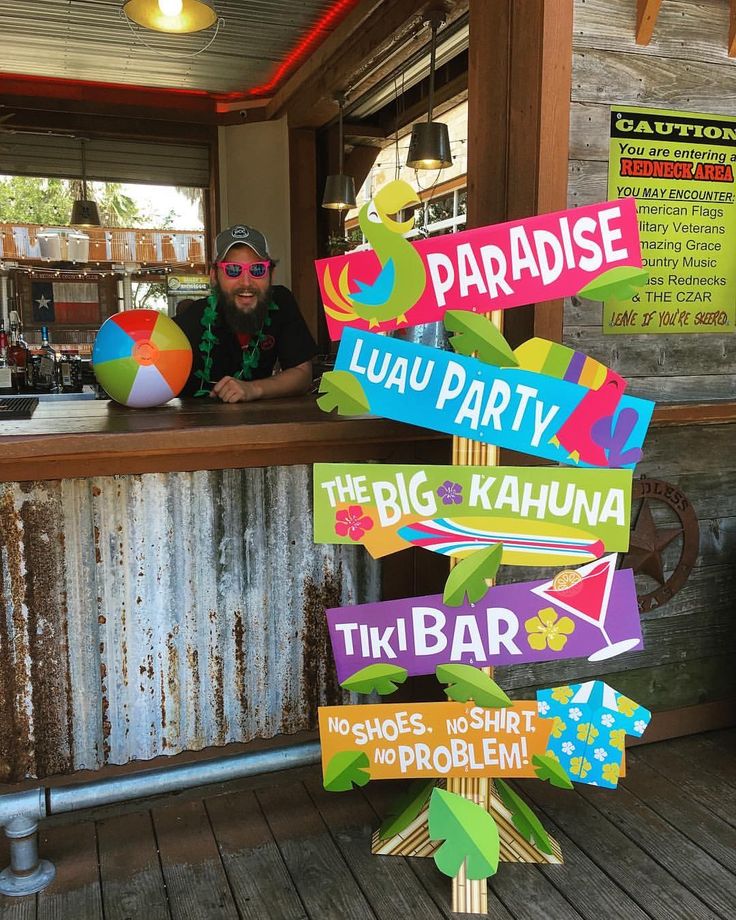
(184, 776)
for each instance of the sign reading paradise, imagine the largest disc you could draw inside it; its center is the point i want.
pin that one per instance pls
(548, 416)
(541, 516)
(435, 739)
(591, 611)
(396, 282)
(680, 168)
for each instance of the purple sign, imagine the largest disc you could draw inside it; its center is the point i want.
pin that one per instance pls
(590, 612)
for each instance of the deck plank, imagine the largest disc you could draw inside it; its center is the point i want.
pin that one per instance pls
(195, 879)
(651, 886)
(320, 874)
(75, 892)
(389, 884)
(132, 881)
(698, 778)
(708, 831)
(667, 846)
(258, 877)
(703, 751)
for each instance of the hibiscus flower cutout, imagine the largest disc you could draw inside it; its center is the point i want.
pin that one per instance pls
(351, 522)
(451, 493)
(546, 630)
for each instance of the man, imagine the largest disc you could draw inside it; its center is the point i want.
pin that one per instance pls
(245, 326)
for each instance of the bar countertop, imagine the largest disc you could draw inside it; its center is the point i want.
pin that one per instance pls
(68, 439)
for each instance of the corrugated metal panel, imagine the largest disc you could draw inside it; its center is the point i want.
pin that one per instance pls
(90, 40)
(55, 156)
(142, 615)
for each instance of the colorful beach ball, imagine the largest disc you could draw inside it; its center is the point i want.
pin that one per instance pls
(141, 358)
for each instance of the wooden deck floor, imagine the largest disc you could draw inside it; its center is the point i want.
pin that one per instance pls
(662, 846)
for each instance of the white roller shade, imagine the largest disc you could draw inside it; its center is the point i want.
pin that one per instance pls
(107, 160)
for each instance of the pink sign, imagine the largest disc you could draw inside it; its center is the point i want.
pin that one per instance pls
(490, 268)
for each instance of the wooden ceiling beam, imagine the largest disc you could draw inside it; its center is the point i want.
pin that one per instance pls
(732, 31)
(366, 34)
(646, 18)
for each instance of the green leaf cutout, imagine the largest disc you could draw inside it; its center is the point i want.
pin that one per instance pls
(616, 284)
(550, 770)
(469, 832)
(470, 574)
(340, 390)
(383, 678)
(476, 334)
(525, 821)
(469, 683)
(406, 807)
(346, 768)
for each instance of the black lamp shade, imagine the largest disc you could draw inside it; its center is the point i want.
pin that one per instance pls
(85, 213)
(339, 193)
(429, 147)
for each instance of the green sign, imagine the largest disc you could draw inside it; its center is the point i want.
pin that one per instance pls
(679, 166)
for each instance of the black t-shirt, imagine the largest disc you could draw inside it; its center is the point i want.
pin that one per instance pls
(288, 341)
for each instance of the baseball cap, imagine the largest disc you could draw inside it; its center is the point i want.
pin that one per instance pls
(241, 235)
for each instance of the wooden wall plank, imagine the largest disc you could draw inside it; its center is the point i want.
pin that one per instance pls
(303, 214)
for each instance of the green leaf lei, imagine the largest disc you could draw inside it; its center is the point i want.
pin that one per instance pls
(251, 354)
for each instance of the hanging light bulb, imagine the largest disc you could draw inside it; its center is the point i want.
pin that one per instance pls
(177, 16)
(340, 189)
(429, 147)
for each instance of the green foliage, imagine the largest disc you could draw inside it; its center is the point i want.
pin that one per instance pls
(550, 770)
(476, 334)
(406, 808)
(340, 390)
(619, 283)
(381, 678)
(26, 200)
(525, 821)
(346, 768)
(470, 574)
(469, 683)
(469, 832)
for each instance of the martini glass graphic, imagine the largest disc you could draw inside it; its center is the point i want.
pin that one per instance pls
(584, 593)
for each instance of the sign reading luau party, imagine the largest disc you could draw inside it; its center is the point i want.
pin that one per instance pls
(589, 612)
(436, 739)
(541, 516)
(490, 268)
(554, 417)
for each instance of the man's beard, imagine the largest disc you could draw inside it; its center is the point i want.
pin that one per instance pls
(250, 322)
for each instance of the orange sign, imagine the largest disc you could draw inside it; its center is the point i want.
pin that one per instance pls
(436, 739)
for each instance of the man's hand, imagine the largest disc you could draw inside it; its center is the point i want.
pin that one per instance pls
(230, 390)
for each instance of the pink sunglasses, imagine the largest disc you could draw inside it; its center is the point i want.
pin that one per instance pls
(236, 269)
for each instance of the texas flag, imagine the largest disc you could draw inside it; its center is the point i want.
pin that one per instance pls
(66, 302)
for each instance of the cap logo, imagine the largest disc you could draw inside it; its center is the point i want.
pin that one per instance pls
(239, 232)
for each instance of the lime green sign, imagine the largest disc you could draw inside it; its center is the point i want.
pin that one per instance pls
(679, 166)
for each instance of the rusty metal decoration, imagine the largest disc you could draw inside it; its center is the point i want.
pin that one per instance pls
(648, 541)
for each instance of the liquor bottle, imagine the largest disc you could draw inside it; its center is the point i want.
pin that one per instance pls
(17, 358)
(46, 379)
(6, 375)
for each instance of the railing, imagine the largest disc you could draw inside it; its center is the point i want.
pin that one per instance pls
(19, 242)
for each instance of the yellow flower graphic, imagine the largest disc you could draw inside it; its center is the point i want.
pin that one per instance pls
(626, 706)
(611, 772)
(617, 738)
(586, 732)
(580, 767)
(547, 631)
(562, 694)
(558, 727)
(552, 755)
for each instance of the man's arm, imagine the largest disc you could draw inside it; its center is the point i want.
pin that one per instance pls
(292, 382)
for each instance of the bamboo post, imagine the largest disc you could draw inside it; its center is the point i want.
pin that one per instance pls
(468, 895)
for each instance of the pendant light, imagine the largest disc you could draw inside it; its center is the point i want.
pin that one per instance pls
(84, 210)
(177, 16)
(429, 147)
(340, 189)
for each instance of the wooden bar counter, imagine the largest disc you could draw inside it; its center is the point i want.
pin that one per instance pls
(82, 438)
